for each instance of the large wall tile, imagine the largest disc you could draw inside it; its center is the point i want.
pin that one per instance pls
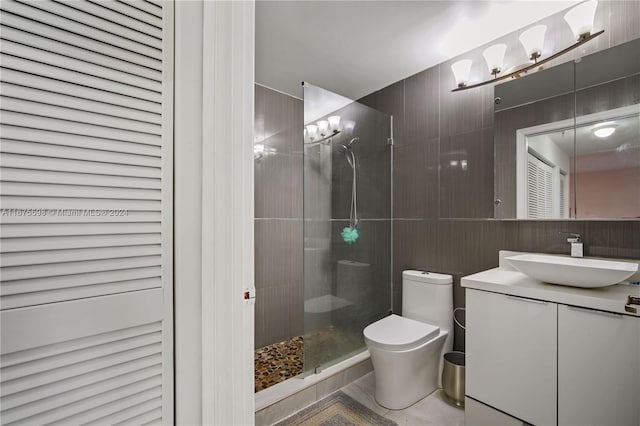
(278, 250)
(278, 186)
(466, 175)
(416, 180)
(421, 106)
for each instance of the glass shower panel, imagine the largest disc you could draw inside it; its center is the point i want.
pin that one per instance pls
(347, 224)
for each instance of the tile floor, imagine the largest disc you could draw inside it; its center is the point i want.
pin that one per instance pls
(432, 410)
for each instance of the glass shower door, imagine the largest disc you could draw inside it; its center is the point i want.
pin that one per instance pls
(347, 224)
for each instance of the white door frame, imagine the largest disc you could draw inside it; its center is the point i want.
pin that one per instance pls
(214, 212)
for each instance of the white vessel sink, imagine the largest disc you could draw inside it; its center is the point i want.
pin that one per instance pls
(572, 271)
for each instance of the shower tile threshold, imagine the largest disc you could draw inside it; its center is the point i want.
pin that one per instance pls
(353, 368)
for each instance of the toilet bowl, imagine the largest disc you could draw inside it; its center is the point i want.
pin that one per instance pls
(406, 351)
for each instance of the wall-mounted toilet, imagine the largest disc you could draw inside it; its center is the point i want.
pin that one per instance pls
(406, 351)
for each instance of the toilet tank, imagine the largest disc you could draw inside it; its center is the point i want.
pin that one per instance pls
(428, 297)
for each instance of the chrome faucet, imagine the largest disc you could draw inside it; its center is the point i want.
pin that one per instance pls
(576, 244)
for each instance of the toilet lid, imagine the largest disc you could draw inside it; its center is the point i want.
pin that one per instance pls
(398, 333)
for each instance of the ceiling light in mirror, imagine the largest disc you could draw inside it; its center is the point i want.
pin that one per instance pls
(494, 55)
(532, 41)
(604, 132)
(580, 19)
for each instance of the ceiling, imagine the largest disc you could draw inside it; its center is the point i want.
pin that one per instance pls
(357, 47)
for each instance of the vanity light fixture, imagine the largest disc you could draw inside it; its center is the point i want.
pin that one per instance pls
(532, 40)
(580, 20)
(494, 55)
(461, 71)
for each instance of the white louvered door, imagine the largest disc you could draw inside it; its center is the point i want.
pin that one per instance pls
(86, 145)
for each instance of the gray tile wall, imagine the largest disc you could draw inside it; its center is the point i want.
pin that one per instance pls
(278, 217)
(440, 211)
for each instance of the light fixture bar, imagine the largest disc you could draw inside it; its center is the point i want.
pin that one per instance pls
(319, 141)
(532, 66)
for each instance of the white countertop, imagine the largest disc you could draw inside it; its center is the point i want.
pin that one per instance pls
(506, 280)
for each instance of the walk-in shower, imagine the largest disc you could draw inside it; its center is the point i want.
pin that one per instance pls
(347, 225)
(344, 259)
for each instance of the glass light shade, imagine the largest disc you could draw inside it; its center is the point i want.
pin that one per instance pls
(494, 55)
(461, 70)
(258, 148)
(349, 125)
(604, 132)
(580, 18)
(532, 40)
(323, 126)
(312, 130)
(334, 122)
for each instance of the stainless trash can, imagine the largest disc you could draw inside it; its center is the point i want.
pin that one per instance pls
(453, 377)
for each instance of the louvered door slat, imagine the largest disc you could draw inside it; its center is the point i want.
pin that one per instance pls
(81, 141)
(148, 418)
(21, 77)
(137, 414)
(56, 125)
(147, 399)
(145, 366)
(57, 256)
(64, 294)
(85, 212)
(33, 162)
(79, 104)
(19, 230)
(84, 280)
(41, 352)
(43, 11)
(150, 7)
(72, 114)
(98, 17)
(60, 48)
(11, 245)
(68, 75)
(125, 22)
(62, 178)
(76, 191)
(85, 44)
(81, 66)
(93, 206)
(13, 146)
(57, 400)
(76, 268)
(131, 11)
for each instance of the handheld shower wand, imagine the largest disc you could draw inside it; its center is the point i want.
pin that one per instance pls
(350, 234)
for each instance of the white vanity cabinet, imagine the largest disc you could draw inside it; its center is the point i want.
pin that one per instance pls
(598, 367)
(511, 355)
(548, 363)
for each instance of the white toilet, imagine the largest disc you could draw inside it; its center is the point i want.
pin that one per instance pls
(406, 351)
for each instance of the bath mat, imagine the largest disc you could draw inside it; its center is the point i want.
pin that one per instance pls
(337, 409)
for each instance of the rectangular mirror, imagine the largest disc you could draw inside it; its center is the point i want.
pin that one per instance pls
(567, 140)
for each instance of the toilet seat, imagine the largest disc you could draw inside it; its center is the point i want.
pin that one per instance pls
(396, 333)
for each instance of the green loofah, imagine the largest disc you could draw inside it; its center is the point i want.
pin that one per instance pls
(350, 235)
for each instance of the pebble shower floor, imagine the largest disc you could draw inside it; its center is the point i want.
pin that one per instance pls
(278, 362)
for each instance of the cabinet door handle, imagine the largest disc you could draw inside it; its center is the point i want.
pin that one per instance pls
(524, 299)
(593, 311)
